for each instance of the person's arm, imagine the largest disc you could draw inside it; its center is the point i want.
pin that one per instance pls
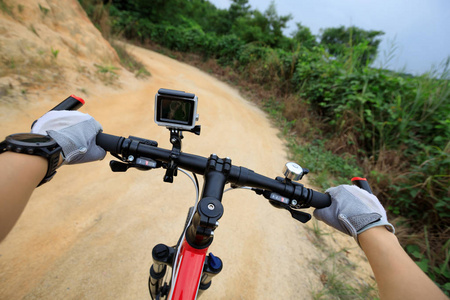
(357, 213)
(19, 177)
(21, 173)
(397, 276)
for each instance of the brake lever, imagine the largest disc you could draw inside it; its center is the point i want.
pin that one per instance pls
(117, 166)
(299, 215)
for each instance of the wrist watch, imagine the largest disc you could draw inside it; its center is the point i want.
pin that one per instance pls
(34, 144)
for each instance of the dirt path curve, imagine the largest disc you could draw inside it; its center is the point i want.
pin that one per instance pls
(89, 233)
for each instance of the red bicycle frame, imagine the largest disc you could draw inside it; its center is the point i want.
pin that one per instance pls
(188, 273)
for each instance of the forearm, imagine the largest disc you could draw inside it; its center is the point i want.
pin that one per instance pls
(397, 276)
(19, 176)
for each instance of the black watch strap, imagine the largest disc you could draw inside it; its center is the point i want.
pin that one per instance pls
(26, 143)
(53, 161)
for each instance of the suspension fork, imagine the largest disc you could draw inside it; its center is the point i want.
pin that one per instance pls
(162, 257)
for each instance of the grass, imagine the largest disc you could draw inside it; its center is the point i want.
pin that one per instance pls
(129, 62)
(337, 275)
(54, 53)
(336, 272)
(107, 73)
(32, 29)
(317, 230)
(5, 8)
(43, 10)
(336, 287)
(327, 169)
(37, 69)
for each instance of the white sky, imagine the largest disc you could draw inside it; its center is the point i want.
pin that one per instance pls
(419, 29)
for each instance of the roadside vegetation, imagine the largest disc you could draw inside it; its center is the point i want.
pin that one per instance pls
(341, 116)
(100, 17)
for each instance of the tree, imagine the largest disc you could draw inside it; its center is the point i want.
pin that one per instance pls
(338, 41)
(304, 36)
(156, 11)
(266, 27)
(276, 23)
(238, 8)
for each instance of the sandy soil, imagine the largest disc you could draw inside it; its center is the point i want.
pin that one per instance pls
(89, 233)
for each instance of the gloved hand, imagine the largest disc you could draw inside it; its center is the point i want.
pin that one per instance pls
(353, 211)
(75, 132)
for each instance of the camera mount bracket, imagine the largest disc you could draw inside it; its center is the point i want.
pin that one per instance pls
(176, 136)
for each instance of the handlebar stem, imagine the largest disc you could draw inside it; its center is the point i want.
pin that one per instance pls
(210, 209)
(216, 175)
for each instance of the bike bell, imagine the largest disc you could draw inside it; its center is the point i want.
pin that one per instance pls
(293, 171)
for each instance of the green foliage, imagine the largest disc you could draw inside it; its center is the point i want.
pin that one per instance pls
(104, 69)
(55, 53)
(338, 278)
(99, 14)
(238, 8)
(107, 73)
(129, 61)
(32, 29)
(340, 40)
(304, 36)
(265, 28)
(43, 10)
(389, 112)
(326, 168)
(228, 47)
(5, 8)
(437, 273)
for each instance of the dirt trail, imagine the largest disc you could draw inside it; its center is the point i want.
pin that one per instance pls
(89, 233)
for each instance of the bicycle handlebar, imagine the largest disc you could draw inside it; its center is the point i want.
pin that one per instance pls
(240, 176)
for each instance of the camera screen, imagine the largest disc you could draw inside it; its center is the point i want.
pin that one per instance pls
(176, 110)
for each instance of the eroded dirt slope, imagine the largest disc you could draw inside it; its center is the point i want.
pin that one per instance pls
(49, 44)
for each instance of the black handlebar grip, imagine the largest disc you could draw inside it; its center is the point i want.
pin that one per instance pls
(320, 200)
(362, 183)
(70, 103)
(109, 142)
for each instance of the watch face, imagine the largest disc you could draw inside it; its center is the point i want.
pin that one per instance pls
(30, 139)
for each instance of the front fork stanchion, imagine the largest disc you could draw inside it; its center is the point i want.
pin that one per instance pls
(162, 257)
(213, 265)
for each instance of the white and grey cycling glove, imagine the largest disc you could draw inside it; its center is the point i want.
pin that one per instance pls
(75, 132)
(353, 211)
